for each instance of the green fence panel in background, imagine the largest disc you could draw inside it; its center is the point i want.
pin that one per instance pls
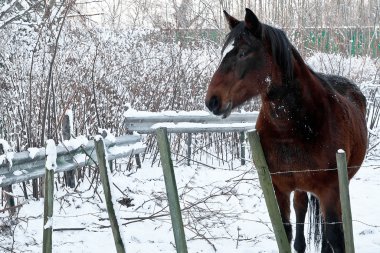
(347, 40)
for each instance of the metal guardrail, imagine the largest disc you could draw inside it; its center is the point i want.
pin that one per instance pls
(191, 122)
(23, 167)
(188, 122)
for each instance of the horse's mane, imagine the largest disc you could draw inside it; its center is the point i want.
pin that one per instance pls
(281, 48)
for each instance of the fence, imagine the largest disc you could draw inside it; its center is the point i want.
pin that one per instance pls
(68, 156)
(23, 167)
(196, 122)
(189, 123)
(267, 187)
(349, 40)
(72, 154)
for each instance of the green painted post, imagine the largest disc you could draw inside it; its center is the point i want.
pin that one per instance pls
(104, 171)
(171, 190)
(345, 201)
(269, 195)
(48, 211)
(51, 157)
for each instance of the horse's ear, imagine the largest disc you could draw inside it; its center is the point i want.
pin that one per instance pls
(252, 23)
(232, 22)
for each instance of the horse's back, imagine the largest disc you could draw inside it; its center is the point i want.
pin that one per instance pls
(346, 88)
(354, 121)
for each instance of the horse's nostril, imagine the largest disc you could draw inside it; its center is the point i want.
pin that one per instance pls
(213, 104)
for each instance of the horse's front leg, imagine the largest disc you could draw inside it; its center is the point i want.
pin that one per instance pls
(300, 203)
(283, 200)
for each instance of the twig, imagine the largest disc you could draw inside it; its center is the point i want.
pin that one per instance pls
(11, 208)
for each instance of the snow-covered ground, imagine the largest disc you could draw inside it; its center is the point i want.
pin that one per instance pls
(224, 211)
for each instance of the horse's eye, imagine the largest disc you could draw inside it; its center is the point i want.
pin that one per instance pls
(242, 54)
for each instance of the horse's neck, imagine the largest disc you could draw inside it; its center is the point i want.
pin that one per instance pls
(294, 103)
(312, 90)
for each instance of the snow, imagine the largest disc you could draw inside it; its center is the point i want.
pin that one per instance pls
(17, 172)
(8, 153)
(69, 113)
(126, 148)
(200, 125)
(33, 152)
(268, 80)
(76, 142)
(49, 223)
(6, 6)
(80, 158)
(107, 135)
(134, 113)
(349, 67)
(222, 202)
(51, 155)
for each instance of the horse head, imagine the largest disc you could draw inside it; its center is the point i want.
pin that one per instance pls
(254, 59)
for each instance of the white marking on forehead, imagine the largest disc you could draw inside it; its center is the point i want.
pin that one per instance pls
(228, 49)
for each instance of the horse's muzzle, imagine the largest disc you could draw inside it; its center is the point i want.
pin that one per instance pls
(213, 104)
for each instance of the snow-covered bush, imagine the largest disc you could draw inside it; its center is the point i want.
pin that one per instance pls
(96, 72)
(362, 70)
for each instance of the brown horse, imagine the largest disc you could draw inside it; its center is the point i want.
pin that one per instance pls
(305, 117)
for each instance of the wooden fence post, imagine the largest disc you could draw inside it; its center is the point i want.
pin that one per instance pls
(9, 198)
(189, 136)
(35, 188)
(104, 177)
(269, 195)
(66, 135)
(138, 160)
(242, 148)
(50, 166)
(345, 201)
(171, 190)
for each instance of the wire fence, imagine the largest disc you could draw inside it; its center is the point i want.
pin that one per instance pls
(250, 163)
